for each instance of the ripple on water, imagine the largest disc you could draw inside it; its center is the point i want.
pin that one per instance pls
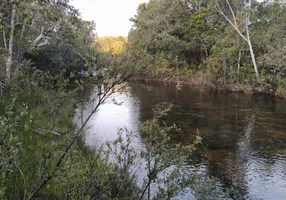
(244, 137)
(266, 177)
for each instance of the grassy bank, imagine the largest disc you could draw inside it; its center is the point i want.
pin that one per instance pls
(37, 128)
(37, 124)
(37, 118)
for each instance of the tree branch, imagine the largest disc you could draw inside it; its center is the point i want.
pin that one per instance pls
(102, 98)
(4, 40)
(233, 24)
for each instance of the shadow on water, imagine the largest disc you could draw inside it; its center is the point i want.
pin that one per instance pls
(244, 137)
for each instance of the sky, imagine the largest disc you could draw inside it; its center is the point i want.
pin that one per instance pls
(111, 16)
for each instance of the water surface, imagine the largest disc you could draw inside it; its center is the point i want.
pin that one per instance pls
(244, 137)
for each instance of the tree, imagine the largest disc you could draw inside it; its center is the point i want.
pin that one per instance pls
(56, 59)
(11, 43)
(158, 30)
(31, 24)
(235, 24)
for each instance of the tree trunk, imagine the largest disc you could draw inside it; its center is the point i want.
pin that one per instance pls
(4, 40)
(177, 68)
(23, 29)
(247, 37)
(238, 63)
(253, 58)
(224, 70)
(11, 42)
(250, 44)
(178, 73)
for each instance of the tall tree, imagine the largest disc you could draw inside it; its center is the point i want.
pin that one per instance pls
(31, 24)
(11, 43)
(235, 23)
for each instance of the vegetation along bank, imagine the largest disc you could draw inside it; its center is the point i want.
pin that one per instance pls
(226, 44)
(50, 57)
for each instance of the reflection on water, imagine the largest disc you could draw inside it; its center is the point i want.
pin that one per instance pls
(244, 137)
(120, 110)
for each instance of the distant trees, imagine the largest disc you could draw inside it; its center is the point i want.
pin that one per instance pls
(109, 44)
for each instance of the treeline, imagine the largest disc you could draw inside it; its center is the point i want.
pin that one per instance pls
(215, 42)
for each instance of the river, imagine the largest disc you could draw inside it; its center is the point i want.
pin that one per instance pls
(244, 136)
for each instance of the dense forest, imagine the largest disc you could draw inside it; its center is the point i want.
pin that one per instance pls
(50, 59)
(223, 44)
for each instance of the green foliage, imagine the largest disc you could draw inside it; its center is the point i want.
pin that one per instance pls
(170, 38)
(195, 36)
(51, 34)
(11, 122)
(281, 87)
(37, 125)
(164, 160)
(39, 105)
(57, 59)
(113, 45)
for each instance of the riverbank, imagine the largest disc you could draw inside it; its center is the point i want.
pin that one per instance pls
(40, 155)
(205, 84)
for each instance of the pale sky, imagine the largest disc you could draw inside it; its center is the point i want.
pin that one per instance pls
(111, 16)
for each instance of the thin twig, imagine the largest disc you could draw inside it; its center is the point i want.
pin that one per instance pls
(41, 131)
(101, 100)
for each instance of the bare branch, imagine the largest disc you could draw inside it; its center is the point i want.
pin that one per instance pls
(102, 99)
(34, 43)
(247, 37)
(45, 42)
(232, 13)
(233, 24)
(42, 131)
(4, 40)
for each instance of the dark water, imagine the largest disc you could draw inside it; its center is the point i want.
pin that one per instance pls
(244, 137)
